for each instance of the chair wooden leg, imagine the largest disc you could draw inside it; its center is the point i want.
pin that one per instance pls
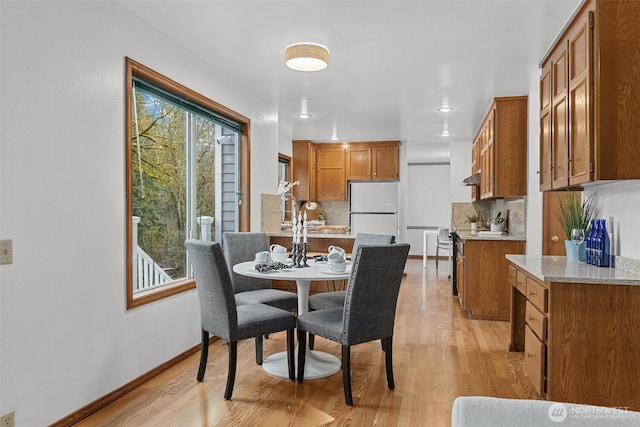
(291, 354)
(346, 374)
(204, 353)
(259, 350)
(231, 376)
(302, 353)
(387, 345)
(312, 340)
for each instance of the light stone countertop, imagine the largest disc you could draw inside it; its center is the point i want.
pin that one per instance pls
(466, 235)
(558, 269)
(315, 235)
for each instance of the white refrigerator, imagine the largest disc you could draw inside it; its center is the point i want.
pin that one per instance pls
(373, 207)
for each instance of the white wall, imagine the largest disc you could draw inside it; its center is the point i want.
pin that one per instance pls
(460, 169)
(534, 196)
(66, 337)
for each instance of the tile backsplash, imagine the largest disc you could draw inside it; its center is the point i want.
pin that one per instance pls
(488, 209)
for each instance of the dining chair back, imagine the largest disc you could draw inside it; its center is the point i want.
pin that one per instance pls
(444, 242)
(368, 313)
(241, 247)
(220, 316)
(335, 299)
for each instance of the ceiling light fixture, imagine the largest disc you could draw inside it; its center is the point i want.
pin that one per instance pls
(303, 114)
(306, 57)
(445, 129)
(444, 109)
(334, 132)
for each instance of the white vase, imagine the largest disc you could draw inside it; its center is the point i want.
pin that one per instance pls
(496, 227)
(474, 227)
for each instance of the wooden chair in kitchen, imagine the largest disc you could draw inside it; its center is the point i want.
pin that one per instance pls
(220, 316)
(368, 312)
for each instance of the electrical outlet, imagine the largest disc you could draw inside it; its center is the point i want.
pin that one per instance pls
(6, 257)
(8, 419)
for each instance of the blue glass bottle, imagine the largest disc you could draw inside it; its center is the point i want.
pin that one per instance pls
(589, 240)
(597, 240)
(605, 246)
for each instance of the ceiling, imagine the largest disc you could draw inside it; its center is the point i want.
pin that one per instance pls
(391, 63)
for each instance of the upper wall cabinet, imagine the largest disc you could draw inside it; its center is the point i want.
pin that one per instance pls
(324, 169)
(376, 161)
(590, 98)
(303, 169)
(500, 149)
(330, 172)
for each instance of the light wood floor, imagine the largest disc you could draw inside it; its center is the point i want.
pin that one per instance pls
(438, 355)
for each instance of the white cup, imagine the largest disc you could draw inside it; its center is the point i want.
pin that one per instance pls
(279, 256)
(336, 256)
(263, 257)
(277, 248)
(337, 266)
(337, 250)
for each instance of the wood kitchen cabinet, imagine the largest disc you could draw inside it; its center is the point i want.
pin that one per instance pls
(482, 277)
(580, 340)
(323, 170)
(374, 161)
(502, 143)
(303, 170)
(589, 93)
(331, 179)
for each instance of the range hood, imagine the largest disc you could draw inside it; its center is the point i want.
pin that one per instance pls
(472, 180)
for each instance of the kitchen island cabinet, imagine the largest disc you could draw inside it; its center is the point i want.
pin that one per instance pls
(578, 326)
(481, 274)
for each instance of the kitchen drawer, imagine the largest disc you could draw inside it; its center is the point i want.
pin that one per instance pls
(511, 275)
(536, 321)
(537, 294)
(534, 360)
(521, 283)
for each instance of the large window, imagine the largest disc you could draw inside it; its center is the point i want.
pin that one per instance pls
(187, 158)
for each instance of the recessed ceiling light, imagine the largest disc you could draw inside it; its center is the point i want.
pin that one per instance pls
(303, 115)
(444, 109)
(445, 133)
(306, 57)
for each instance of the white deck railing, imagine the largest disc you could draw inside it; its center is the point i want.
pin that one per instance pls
(149, 272)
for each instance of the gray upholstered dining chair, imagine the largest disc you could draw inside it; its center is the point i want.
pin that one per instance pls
(240, 247)
(335, 299)
(368, 312)
(220, 316)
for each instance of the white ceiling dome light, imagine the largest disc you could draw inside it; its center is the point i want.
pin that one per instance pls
(306, 57)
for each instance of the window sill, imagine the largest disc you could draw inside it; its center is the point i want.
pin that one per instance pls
(151, 295)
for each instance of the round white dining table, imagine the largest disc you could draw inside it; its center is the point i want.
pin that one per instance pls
(318, 364)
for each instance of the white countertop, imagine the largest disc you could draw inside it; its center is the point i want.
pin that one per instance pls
(314, 235)
(466, 235)
(558, 269)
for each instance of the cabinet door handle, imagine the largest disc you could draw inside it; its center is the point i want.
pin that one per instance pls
(532, 294)
(530, 356)
(532, 319)
(554, 238)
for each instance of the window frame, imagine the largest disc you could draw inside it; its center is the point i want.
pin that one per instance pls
(135, 69)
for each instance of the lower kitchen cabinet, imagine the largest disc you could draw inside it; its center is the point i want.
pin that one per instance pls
(580, 340)
(484, 290)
